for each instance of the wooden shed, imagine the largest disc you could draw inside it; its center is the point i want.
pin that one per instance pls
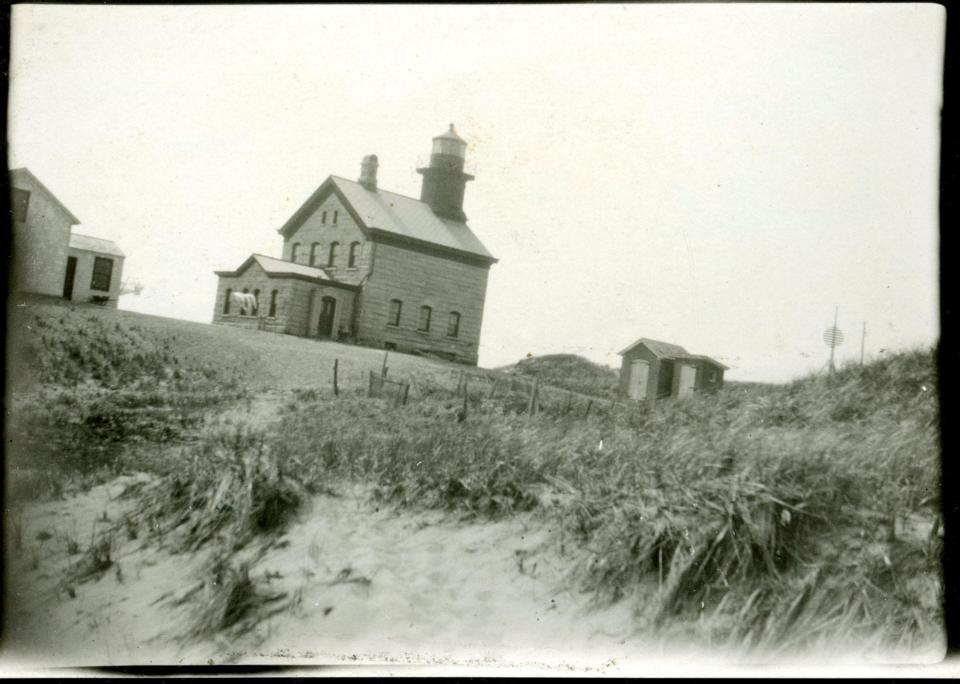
(657, 370)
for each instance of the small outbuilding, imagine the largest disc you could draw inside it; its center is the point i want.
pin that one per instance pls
(94, 269)
(658, 370)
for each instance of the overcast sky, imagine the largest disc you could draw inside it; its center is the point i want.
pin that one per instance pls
(718, 176)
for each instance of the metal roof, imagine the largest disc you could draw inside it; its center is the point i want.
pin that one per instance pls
(673, 352)
(279, 266)
(408, 217)
(450, 135)
(94, 244)
(63, 207)
(393, 214)
(661, 349)
(698, 357)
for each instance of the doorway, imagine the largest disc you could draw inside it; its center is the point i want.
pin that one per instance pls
(688, 377)
(639, 370)
(69, 277)
(328, 308)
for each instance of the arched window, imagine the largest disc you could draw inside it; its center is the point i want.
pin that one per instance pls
(256, 303)
(453, 324)
(425, 313)
(354, 252)
(395, 306)
(226, 302)
(293, 251)
(273, 304)
(336, 215)
(323, 217)
(314, 248)
(333, 254)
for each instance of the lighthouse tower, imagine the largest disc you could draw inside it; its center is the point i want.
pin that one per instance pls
(444, 181)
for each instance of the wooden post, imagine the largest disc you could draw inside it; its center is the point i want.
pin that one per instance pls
(336, 388)
(370, 385)
(589, 404)
(466, 395)
(533, 404)
(383, 368)
(406, 391)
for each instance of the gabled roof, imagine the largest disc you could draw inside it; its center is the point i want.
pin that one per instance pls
(272, 266)
(660, 349)
(94, 244)
(665, 350)
(24, 171)
(392, 214)
(700, 357)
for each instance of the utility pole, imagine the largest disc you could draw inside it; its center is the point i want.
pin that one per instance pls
(863, 337)
(833, 346)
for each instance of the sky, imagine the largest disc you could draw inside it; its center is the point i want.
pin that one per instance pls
(719, 176)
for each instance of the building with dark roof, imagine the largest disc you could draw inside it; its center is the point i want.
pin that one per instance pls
(49, 258)
(656, 370)
(370, 265)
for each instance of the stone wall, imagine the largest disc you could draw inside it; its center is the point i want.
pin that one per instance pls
(317, 231)
(255, 279)
(420, 279)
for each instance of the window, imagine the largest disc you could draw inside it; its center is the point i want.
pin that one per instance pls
(243, 307)
(102, 270)
(333, 253)
(354, 252)
(21, 199)
(273, 304)
(453, 324)
(293, 251)
(323, 217)
(425, 313)
(395, 306)
(226, 302)
(314, 248)
(336, 215)
(256, 303)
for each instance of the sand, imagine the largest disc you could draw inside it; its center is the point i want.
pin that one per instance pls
(361, 584)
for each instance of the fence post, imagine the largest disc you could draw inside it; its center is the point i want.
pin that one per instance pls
(383, 368)
(406, 391)
(589, 404)
(466, 394)
(336, 388)
(370, 385)
(533, 404)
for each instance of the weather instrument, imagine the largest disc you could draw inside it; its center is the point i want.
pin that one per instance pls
(833, 338)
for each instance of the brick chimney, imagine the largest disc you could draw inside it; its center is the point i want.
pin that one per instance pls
(444, 181)
(368, 172)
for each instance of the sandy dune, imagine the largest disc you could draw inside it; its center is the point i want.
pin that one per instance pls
(360, 584)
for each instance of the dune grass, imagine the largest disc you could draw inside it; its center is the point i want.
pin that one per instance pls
(84, 389)
(763, 519)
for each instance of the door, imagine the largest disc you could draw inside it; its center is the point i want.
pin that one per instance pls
(639, 370)
(688, 377)
(69, 277)
(328, 307)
